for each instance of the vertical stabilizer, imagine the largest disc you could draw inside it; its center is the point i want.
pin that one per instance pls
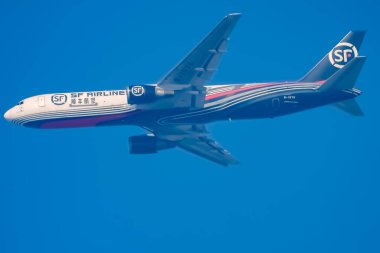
(346, 50)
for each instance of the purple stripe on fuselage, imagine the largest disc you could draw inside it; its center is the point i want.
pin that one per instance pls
(83, 121)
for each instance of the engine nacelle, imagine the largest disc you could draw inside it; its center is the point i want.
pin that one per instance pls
(147, 144)
(144, 94)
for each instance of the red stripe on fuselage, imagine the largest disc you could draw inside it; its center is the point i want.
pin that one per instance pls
(251, 87)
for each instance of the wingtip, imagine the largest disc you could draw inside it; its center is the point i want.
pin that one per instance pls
(233, 163)
(234, 14)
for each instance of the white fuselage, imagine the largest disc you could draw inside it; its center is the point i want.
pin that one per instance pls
(71, 105)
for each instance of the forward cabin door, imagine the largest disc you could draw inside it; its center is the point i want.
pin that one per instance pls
(41, 101)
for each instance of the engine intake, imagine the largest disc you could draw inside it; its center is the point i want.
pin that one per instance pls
(147, 144)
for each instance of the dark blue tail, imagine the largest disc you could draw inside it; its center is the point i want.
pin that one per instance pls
(346, 50)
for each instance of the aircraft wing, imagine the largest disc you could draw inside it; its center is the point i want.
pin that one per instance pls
(195, 139)
(209, 149)
(201, 63)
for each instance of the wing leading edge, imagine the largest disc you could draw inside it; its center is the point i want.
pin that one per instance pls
(200, 64)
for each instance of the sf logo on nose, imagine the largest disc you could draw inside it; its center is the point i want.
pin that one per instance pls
(59, 99)
(342, 53)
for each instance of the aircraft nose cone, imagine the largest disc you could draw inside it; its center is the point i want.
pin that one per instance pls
(8, 115)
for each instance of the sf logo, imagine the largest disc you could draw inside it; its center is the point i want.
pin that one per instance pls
(138, 90)
(59, 99)
(342, 53)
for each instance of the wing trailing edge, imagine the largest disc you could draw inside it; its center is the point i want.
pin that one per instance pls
(208, 149)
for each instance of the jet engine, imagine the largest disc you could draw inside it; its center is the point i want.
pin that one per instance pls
(147, 144)
(143, 94)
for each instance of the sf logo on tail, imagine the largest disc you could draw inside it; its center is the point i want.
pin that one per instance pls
(342, 53)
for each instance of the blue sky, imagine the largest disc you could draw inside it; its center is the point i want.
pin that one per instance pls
(307, 182)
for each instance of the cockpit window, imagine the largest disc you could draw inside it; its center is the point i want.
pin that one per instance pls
(21, 102)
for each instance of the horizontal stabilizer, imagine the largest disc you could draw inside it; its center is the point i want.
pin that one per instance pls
(346, 77)
(350, 106)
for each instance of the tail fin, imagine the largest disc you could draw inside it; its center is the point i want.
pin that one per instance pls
(337, 58)
(345, 78)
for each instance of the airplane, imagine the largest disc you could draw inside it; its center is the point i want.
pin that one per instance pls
(175, 110)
